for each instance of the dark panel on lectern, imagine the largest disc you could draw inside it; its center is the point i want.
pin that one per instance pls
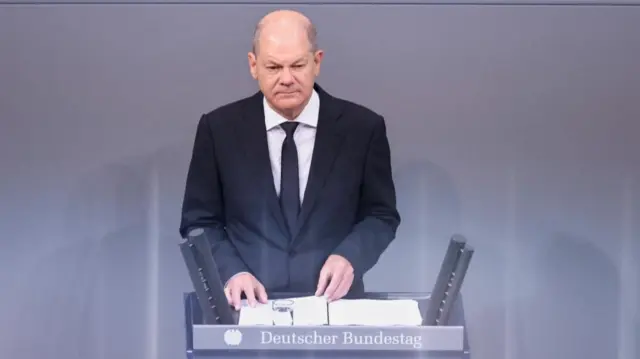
(205, 277)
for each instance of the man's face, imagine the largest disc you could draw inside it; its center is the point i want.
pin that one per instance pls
(286, 70)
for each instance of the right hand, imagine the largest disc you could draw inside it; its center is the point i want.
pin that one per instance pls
(248, 284)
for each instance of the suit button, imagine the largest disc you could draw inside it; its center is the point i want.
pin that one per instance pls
(292, 253)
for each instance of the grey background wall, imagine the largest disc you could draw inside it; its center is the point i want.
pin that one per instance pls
(516, 125)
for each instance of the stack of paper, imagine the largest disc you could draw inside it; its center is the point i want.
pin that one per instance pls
(310, 311)
(374, 312)
(317, 311)
(261, 314)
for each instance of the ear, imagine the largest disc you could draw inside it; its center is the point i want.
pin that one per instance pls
(253, 65)
(317, 59)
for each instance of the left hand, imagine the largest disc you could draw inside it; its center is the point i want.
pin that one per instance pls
(337, 273)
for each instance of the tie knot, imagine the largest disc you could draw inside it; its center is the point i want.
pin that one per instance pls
(289, 127)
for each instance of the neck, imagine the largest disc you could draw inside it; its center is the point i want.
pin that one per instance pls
(289, 114)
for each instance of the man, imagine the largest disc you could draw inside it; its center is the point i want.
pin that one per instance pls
(292, 185)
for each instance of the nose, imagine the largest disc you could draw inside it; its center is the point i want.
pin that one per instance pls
(286, 78)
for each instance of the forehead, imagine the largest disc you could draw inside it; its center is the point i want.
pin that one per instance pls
(284, 47)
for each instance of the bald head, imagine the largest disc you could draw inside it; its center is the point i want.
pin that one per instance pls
(283, 26)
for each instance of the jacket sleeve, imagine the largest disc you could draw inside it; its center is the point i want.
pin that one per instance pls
(202, 206)
(377, 213)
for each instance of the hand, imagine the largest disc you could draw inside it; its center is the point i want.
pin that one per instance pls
(337, 272)
(248, 284)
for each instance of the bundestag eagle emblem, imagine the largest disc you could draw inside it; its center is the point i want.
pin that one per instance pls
(232, 337)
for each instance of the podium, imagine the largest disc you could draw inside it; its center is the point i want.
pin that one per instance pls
(209, 341)
(212, 332)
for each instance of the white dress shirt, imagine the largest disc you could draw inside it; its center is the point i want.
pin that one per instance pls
(304, 137)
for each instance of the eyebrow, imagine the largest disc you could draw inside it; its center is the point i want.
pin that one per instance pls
(274, 62)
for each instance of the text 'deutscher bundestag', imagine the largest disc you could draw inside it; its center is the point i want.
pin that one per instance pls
(436, 338)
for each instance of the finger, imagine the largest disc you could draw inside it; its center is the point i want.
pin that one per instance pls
(236, 291)
(261, 293)
(336, 279)
(322, 282)
(345, 285)
(251, 295)
(227, 293)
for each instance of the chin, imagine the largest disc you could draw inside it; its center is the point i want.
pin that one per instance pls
(289, 102)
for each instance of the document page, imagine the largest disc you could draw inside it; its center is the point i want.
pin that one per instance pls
(375, 312)
(261, 314)
(310, 311)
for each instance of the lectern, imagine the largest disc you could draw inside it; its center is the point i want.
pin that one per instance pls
(212, 330)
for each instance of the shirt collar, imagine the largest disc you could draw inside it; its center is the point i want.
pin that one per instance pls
(308, 116)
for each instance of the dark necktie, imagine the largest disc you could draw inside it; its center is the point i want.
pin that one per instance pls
(289, 180)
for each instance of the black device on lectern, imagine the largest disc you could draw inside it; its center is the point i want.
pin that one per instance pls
(449, 281)
(203, 271)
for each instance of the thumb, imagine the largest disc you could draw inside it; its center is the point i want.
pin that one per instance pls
(227, 293)
(323, 281)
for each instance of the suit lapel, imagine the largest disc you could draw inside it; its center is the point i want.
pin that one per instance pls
(326, 148)
(252, 135)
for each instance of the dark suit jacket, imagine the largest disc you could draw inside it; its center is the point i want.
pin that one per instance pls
(348, 209)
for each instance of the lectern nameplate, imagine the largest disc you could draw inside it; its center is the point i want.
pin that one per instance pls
(330, 338)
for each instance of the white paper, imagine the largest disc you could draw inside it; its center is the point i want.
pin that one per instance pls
(261, 314)
(310, 311)
(373, 312)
